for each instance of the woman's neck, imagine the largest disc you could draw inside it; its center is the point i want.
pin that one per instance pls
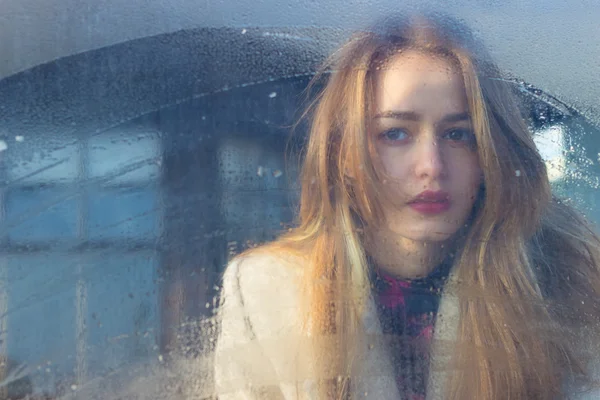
(405, 258)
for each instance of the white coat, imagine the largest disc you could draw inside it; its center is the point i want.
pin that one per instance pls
(261, 354)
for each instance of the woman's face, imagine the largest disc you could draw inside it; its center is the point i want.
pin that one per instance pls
(423, 136)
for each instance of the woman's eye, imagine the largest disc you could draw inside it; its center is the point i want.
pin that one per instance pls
(460, 135)
(394, 135)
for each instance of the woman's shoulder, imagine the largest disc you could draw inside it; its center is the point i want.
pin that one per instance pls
(265, 283)
(264, 266)
(260, 325)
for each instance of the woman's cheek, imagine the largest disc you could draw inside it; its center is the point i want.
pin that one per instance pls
(395, 163)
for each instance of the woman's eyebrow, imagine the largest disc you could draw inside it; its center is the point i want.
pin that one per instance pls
(458, 117)
(405, 115)
(412, 116)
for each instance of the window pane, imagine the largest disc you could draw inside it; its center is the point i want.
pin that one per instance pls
(121, 315)
(42, 315)
(125, 155)
(38, 213)
(123, 213)
(88, 313)
(42, 160)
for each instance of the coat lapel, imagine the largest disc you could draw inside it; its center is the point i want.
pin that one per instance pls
(376, 378)
(444, 337)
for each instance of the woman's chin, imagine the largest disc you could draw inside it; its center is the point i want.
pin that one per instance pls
(431, 234)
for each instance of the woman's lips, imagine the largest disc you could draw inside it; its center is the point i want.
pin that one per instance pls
(426, 207)
(431, 202)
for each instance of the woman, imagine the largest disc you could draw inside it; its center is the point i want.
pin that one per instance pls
(430, 259)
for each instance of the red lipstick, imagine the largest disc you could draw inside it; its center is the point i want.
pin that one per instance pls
(430, 202)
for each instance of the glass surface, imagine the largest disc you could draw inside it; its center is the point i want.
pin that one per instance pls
(135, 166)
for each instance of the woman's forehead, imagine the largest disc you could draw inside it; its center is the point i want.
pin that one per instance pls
(420, 83)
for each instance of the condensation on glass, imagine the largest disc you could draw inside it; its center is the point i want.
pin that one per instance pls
(131, 175)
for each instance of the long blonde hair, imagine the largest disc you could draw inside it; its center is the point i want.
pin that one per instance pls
(527, 276)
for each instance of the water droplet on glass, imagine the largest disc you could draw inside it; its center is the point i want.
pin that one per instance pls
(273, 95)
(517, 173)
(277, 173)
(260, 171)
(19, 138)
(73, 387)
(244, 31)
(3, 145)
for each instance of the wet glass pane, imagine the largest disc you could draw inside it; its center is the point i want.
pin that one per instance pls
(124, 155)
(41, 214)
(140, 156)
(123, 213)
(42, 160)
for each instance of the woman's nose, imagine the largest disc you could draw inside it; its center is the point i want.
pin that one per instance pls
(429, 158)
